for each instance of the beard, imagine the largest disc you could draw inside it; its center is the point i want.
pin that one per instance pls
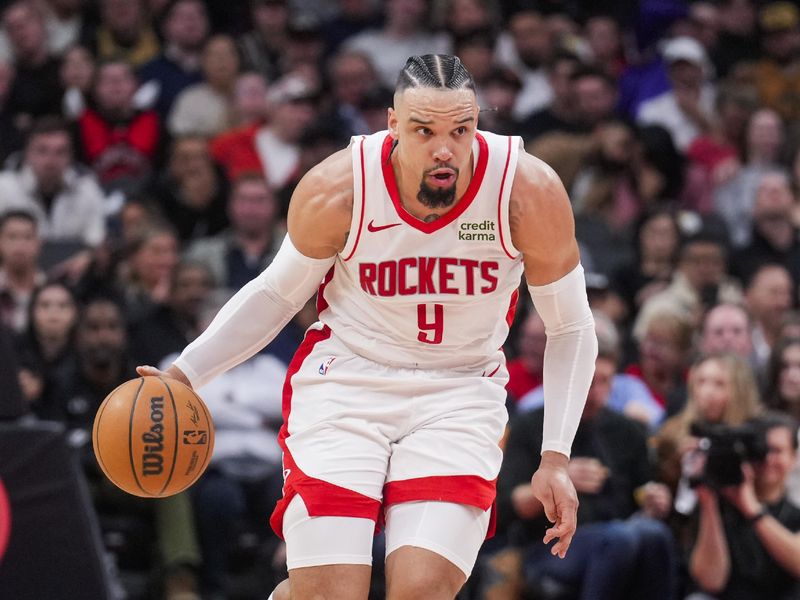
(437, 197)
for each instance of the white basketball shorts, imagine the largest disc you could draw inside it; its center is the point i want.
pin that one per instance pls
(360, 436)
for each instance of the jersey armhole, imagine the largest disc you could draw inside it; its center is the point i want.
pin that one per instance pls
(357, 220)
(515, 144)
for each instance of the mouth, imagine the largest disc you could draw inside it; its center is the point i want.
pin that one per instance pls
(442, 178)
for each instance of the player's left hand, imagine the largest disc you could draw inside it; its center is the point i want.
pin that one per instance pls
(553, 488)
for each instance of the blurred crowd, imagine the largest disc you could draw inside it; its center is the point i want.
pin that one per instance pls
(149, 149)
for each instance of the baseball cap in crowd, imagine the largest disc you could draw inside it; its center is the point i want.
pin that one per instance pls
(686, 49)
(778, 16)
(292, 88)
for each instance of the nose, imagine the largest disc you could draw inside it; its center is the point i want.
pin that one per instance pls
(442, 152)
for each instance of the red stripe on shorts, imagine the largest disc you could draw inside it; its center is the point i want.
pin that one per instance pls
(322, 499)
(458, 489)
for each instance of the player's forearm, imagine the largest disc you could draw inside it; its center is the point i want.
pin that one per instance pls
(710, 564)
(781, 544)
(254, 316)
(569, 356)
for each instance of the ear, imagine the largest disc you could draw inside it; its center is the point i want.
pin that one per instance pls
(392, 122)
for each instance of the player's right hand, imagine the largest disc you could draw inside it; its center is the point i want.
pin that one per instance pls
(172, 372)
(554, 489)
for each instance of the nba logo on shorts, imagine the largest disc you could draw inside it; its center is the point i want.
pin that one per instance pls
(323, 368)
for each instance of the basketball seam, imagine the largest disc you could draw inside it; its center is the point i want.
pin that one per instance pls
(175, 452)
(209, 447)
(130, 437)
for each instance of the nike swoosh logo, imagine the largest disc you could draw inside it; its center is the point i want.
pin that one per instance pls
(373, 228)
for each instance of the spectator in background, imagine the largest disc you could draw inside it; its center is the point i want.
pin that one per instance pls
(351, 75)
(718, 152)
(145, 276)
(19, 270)
(722, 390)
(235, 256)
(595, 96)
(118, 141)
(47, 344)
(734, 198)
(12, 138)
(617, 552)
(77, 73)
(462, 18)
(727, 328)
(748, 539)
(525, 371)
(272, 148)
(737, 41)
(560, 113)
(262, 48)
(250, 100)
(170, 326)
(305, 48)
(36, 89)
(663, 353)
(206, 109)
(775, 236)
(125, 33)
(476, 51)
(776, 74)
(178, 65)
(657, 237)
(685, 110)
(782, 392)
(500, 89)
(768, 295)
(68, 204)
(403, 34)
(192, 191)
(526, 52)
(699, 282)
(604, 38)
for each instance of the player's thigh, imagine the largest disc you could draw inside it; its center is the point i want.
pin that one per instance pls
(328, 557)
(432, 546)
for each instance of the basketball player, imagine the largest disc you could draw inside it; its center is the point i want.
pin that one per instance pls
(394, 402)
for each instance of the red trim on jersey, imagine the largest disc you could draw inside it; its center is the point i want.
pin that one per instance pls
(322, 304)
(512, 307)
(451, 215)
(458, 489)
(500, 203)
(363, 200)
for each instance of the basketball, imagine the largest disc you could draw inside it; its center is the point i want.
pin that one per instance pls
(153, 437)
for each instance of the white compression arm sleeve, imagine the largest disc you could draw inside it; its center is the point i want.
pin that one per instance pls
(255, 314)
(568, 356)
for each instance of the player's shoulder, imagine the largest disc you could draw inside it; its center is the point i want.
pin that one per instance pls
(537, 186)
(329, 184)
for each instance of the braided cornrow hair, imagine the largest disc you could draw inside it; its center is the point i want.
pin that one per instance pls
(435, 71)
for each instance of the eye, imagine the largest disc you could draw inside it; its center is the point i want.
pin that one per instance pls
(424, 131)
(461, 130)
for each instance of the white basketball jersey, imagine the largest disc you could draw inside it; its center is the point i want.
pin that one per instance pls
(426, 295)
